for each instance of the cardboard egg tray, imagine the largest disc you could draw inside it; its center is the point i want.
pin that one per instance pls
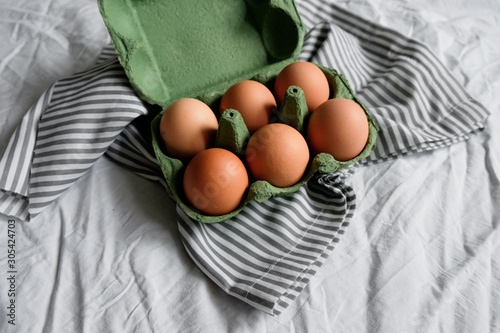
(198, 49)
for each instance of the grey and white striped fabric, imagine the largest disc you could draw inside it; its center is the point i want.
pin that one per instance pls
(418, 104)
(266, 255)
(74, 123)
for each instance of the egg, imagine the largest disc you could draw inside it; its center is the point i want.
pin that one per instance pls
(215, 181)
(338, 127)
(308, 77)
(253, 100)
(187, 127)
(277, 153)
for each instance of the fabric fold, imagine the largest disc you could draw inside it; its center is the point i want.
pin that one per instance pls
(267, 254)
(71, 126)
(15, 162)
(86, 114)
(417, 102)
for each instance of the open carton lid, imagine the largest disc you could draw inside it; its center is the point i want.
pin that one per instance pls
(193, 48)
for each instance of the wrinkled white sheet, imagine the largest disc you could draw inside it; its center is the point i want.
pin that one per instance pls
(421, 254)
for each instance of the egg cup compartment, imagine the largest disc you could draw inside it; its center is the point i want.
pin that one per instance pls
(232, 134)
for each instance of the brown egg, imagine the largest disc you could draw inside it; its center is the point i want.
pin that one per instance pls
(215, 181)
(277, 153)
(253, 100)
(338, 127)
(306, 76)
(187, 127)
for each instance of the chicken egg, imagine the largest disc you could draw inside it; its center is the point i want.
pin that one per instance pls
(308, 77)
(277, 153)
(215, 181)
(339, 127)
(187, 127)
(253, 100)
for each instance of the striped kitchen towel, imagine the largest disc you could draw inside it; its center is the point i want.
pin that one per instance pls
(63, 134)
(265, 255)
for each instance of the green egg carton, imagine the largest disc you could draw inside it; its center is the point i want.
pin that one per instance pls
(198, 49)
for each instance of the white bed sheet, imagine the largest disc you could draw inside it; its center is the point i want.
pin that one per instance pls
(421, 253)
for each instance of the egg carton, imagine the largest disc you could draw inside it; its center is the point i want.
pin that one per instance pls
(198, 49)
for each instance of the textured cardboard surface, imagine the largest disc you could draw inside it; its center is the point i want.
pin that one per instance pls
(192, 48)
